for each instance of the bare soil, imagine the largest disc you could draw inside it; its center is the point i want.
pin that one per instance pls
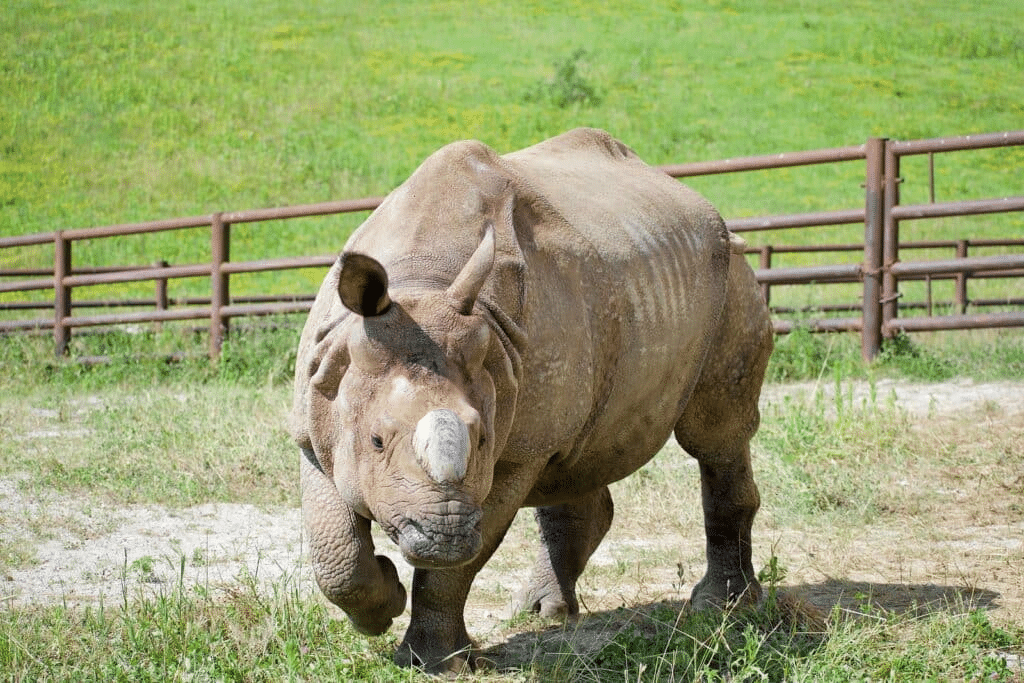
(955, 541)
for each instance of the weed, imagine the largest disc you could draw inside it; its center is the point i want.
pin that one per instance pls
(569, 86)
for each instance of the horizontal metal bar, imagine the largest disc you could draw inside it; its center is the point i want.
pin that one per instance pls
(138, 228)
(975, 207)
(955, 322)
(303, 210)
(980, 275)
(808, 249)
(826, 325)
(37, 324)
(27, 240)
(159, 273)
(960, 265)
(141, 317)
(958, 143)
(767, 161)
(26, 285)
(850, 272)
(904, 246)
(797, 220)
(953, 244)
(279, 264)
(266, 309)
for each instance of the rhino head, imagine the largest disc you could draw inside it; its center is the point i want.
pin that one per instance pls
(400, 430)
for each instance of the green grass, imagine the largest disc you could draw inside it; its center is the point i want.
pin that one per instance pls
(769, 645)
(118, 114)
(242, 634)
(978, 354)
(181, 435)
(248, 634)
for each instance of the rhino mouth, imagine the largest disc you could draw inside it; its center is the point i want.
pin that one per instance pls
(445, 535)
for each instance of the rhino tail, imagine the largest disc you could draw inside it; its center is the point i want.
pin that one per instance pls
(737, 244)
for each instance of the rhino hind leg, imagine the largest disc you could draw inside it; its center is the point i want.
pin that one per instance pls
(716, 427)
(730, 500)
(570, 533)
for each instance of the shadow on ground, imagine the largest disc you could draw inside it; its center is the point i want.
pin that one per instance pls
(806, 608)
(917, 600)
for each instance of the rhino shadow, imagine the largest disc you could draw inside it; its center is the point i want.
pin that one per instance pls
(806, 608)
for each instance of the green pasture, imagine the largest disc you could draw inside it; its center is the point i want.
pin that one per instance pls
(143, 433)
(115, 112)
(123, 112)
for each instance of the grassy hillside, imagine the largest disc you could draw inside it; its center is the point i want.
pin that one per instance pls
(119, 112)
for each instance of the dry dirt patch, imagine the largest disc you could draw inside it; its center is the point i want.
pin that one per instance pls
(960, 546)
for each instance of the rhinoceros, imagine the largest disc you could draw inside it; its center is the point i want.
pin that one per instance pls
(521, 331)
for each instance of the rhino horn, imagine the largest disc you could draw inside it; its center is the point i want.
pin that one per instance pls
(363, 284)
(441, 444)
(463, 292)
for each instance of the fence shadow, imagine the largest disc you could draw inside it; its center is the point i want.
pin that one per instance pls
(807, 607)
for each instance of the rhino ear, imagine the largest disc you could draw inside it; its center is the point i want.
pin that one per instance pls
(363, 285)
(463, 292)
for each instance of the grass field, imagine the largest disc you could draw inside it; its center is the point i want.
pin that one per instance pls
(898, 528)
(117, 113)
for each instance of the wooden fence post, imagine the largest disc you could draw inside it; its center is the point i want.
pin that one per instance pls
(61, 293)
(871, 321)
(220, 294)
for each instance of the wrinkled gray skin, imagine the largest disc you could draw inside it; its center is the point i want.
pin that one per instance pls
(522, 330)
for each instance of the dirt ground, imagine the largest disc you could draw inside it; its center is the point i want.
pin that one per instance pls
(963, 550)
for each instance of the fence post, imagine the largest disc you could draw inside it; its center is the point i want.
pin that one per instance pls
(961, 278)
(766, 263)
(220, 296)
(161, 293)
(891, 245)
(871, 328)
(61, 293)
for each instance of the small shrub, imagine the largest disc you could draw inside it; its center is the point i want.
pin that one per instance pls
(568, 87)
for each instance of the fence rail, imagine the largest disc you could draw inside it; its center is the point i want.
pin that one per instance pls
(880, 270)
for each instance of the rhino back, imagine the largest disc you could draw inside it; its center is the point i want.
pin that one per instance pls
(614, 272)
(639, 264)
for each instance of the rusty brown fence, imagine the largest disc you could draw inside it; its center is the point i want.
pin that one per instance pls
(879, 272)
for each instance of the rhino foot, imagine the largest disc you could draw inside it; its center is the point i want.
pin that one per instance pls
(547, 599)
(570, 533)
(720, 593)
(374, 619)
(437, 655)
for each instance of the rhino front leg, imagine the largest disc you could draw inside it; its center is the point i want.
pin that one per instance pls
(436, 639)
(570, 533)
(365, 586)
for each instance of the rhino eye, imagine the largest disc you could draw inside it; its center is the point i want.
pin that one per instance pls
(481, 442)
(377, 442)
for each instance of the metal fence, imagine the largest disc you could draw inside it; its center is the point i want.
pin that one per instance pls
(880, 271)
